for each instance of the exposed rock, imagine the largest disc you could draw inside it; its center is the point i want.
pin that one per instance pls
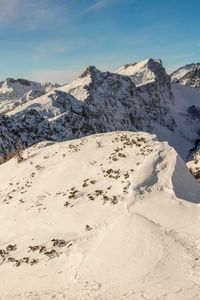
(188, 75)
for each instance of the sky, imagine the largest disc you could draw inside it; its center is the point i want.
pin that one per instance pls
(48, 40)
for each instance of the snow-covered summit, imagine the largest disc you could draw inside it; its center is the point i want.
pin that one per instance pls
(15, 92)
(187, 75)
(92, 84)
(144, 72)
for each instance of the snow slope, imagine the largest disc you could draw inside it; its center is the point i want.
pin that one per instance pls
(110, 216)
(15, 92)
(186, 113)
(143, 72)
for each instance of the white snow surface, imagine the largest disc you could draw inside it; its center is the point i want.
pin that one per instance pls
(124, 209)
(140, 72)
(15, 92)
(179, 73)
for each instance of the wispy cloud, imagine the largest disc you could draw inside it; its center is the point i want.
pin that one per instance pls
(9, 9)
(97, 5)
(198, 44)
(28, 14)
(103, 3)
(56, 47)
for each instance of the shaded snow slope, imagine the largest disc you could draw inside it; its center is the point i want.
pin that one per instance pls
(186, 112)
(110, 216)
(15, 92)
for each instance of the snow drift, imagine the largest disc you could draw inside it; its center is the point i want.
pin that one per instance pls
(110, 216)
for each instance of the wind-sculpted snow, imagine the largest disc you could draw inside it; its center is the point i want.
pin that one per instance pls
(109, 216)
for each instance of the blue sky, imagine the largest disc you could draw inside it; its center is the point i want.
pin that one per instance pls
(48, 40)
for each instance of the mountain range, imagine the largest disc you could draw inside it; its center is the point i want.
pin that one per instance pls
(139, 96)
(100, 204)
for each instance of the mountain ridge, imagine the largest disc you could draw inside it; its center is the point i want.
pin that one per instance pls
(103, 101)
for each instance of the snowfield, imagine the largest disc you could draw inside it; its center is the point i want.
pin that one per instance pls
(109, 216)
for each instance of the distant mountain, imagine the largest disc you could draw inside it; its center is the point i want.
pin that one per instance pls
(15, 92)
(143, 72)
(187, 75)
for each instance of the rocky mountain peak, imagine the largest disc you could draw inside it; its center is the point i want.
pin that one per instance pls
(145, 72)
(187, 75)
(192, 77)
(89, 71)
(132, 64)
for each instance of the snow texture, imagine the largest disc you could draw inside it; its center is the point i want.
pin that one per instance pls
(109, 216)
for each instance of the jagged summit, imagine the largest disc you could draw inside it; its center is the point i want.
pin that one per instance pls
(192, 77)
(132, 64)
(92, 82)
(144, 72)
(90, 70)
(187, 75)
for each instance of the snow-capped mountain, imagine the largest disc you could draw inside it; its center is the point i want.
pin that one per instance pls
(188, 75)
(143, 72)
(99, 102)
(104, 216)
(109, 216)
(95, 102)
(15, 92)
